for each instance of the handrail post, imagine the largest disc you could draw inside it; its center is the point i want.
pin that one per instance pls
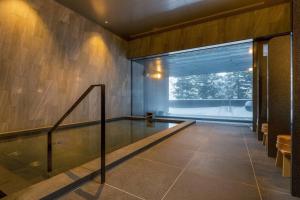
(56, 126)
(103, 171)
(49, 152)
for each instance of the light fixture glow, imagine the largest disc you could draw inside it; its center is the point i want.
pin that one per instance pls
(158, 61)
(156, 76)
(158, 65)
(158, 68)
(251, 50)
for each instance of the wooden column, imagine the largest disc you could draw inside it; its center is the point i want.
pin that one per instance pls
(279, 84)
(261, 61)
(296, 101)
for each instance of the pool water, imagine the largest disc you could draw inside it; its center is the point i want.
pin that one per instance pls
(23, 160)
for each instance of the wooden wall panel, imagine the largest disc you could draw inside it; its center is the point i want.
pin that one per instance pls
(296, 102)
(252, 24)
(48, 56)
(279, 90)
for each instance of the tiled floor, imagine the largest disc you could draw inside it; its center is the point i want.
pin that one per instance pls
(204, 161)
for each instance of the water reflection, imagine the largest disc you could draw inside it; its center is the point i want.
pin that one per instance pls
(23, 160)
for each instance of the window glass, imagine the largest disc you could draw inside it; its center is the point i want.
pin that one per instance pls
(209, 83)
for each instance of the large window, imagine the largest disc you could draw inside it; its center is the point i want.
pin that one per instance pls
(209, 83)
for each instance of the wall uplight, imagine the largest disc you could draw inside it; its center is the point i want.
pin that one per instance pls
(155, 70)
(156, 76)
(250, 50)
(159, 68)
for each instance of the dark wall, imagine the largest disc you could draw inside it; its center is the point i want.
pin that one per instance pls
(279, 71)
(255, 93)
(296, 102)
(261, 61)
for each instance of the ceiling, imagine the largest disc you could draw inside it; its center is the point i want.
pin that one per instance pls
(134, 18)
(229, 58)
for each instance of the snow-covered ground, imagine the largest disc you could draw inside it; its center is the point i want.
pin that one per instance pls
(231, 112)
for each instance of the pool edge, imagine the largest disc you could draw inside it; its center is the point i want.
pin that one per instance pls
(60, 184)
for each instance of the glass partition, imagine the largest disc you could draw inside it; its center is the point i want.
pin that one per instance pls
(208, 83)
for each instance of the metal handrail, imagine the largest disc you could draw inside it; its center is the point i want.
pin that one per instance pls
(69, 111)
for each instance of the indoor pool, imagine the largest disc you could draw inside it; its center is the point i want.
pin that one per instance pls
(23, 159)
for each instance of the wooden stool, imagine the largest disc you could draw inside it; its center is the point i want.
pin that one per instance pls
(264, 129)
(283, 158)
(286, 168)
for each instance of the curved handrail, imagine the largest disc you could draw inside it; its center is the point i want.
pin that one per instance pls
(67, 113)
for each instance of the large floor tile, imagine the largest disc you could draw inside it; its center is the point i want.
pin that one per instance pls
(260, 156)
(258, 151)
(231, 150)
(222, 167)
(187, 142)
(72, 196)
(229, 147)
(143, 178)
(95, 191)
(269, 177)
(174, 155)
(191, 186)
(274, 195)
(190, 139)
